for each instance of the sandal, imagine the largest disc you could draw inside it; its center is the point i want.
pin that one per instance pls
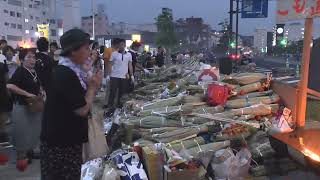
(22, 164)
(3, 159)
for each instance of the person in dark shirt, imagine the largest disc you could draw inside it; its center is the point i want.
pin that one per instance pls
(26, 125)
(53, 47)
(65, 118)
(44, 63)
(160, 57)
(5, 103)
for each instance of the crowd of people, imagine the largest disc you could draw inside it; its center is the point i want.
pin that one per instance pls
(47, 94)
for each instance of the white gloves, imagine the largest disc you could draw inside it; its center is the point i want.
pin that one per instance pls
(146, 71)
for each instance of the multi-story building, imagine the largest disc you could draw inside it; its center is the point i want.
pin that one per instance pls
(71, 14)
(260, 40)
(19, 20)
(101, 22)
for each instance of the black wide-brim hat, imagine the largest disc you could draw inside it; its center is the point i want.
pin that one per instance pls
(73, 39)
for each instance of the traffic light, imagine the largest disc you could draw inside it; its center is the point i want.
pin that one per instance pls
(280, 39)
(283, 42)
(232, 44)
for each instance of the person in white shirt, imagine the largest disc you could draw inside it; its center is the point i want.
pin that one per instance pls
(121, 71)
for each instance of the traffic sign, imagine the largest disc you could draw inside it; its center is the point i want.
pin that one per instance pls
(254, 9)
(292, 10)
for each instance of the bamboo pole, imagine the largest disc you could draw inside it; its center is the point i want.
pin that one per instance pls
(303, 86)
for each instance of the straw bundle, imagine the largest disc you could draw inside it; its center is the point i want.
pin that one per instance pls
(249, 88)
(162, 103)
(240, 103)
(208, 109)
(255, 94)
(248, 78)
(155, 122)
(165, 111)
(257, 110)
(187, 144)
(179, 134)
(213, 147)
(193, 99)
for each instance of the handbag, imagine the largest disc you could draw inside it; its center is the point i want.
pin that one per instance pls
(96, 146)
(35, 104)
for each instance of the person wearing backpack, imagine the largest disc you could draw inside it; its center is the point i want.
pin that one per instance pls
(44, 63)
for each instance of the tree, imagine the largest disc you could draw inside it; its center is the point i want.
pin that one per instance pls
(166, 36)
(225, 38)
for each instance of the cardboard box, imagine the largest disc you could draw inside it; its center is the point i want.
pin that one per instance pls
(153, 162)
(188, 174)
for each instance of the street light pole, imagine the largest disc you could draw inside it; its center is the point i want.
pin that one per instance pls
(231, 21)
(237, 26)
(93, 19)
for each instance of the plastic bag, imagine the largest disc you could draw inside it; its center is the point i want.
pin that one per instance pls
(221, 164)
(227, 166)
(97, 145)
(240, 166)
(129, 166)
(110, 173)
(217, 94)
(284, 123)
(92, 170)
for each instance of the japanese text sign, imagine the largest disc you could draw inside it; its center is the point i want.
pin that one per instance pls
(291, 10)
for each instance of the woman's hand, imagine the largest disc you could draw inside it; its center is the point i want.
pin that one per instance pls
(96, 80)
(29, 95)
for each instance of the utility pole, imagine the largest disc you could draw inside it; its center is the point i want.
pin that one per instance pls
(93, 17)
(231, 22)
(237, 27)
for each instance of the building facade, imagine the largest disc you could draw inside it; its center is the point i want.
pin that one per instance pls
(71, 14)
(19, 20)
(101, 22)
(260, 40)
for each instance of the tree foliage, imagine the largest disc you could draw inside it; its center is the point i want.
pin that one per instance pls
(166, 34)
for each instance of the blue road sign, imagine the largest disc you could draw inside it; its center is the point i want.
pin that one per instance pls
(254, 9)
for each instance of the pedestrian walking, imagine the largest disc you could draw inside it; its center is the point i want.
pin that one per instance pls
(108, 67)
(65, 118)
(53, 47)
(3, 43)
(121, 71)
(44, 63)
(160, 57)
(26, 124)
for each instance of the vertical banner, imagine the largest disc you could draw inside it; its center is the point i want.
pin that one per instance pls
(43, 30)
(292, 10)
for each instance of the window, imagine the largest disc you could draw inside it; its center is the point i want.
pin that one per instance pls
(19, 15)
(14, 38)
(27, 31)
(53, 32)
(6, 23)
(26, 20)
(12, 14)
(43, 13)
(52, 21)
(15, 2)
(31, 17)
(30, 5)
(37, 19)
(32, 28)
(14, 26)
(19, 26)
(5, 11)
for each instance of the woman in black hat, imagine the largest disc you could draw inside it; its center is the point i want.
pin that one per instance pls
(65, 119)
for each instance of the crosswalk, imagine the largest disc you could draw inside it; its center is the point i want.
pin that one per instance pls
(293, 80)
(263, 70)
